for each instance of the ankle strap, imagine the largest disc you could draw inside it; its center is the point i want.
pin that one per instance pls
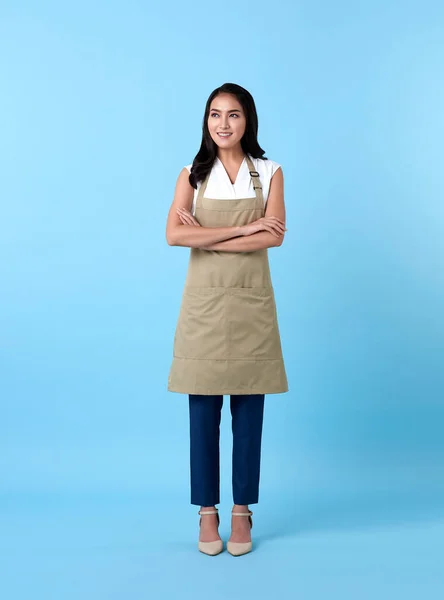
(208, 512)
(244, 514)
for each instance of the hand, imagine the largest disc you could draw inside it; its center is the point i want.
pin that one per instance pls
(186, 217)
(272, 224)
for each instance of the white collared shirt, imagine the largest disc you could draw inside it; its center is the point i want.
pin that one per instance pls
(220, 187)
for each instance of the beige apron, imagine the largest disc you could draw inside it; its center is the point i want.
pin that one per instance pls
(227, 336)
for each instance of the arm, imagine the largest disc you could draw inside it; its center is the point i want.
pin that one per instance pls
(248, 243)
(178, 234)
(262, 239)
(199, 237)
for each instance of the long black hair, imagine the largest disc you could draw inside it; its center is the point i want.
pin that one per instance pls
(204, 159)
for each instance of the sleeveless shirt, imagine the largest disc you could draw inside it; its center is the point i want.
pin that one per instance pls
(220, 187)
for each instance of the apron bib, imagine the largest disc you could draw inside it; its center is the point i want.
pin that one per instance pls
(227, 336)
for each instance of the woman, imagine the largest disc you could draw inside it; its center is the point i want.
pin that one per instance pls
(229, 209)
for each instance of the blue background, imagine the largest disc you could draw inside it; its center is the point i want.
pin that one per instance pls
(101, 107)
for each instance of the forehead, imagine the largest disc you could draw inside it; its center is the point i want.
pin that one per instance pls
(226, 103)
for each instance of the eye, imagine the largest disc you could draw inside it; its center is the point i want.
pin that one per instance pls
(232, 115)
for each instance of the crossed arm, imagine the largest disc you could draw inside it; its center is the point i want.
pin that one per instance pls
(248, 243)
(228, 239)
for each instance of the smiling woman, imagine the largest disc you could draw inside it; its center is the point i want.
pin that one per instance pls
(229, 209)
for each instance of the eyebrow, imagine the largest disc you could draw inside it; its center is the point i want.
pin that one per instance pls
(232, 110)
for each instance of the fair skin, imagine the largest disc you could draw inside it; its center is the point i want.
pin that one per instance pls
(240, 526)
(226, 115)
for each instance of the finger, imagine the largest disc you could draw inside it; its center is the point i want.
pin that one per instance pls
(187, 215)
(184, 217)
(273, 221)
(279, 230)
(185, 220)
(270, 229)
(278, 227)
(276, 232)
(278, 220)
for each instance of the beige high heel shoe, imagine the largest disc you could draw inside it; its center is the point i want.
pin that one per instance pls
(238, 548)
(211, 548)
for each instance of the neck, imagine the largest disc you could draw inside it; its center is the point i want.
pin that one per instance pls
(231, 155)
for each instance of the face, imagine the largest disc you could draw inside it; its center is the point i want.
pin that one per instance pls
(226, 116)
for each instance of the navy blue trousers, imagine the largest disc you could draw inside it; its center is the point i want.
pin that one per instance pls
(247, 413)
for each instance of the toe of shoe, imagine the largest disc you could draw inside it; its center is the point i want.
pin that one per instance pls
(211, 548)
(238, 548)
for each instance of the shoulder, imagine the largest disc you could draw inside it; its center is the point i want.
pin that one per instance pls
(266, 166)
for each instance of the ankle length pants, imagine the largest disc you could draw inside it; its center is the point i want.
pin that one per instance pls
(246, 423)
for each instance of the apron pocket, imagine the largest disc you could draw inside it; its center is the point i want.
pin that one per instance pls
(252, 327)
(200, 329)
